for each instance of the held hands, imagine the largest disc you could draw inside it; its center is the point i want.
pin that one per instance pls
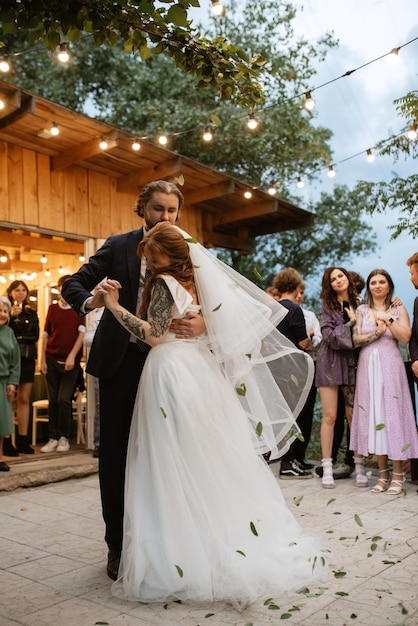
(107, 292)
(191, 325)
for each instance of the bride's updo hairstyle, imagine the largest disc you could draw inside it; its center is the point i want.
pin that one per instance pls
(167, 239)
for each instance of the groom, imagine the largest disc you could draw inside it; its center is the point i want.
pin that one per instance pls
(412, 263)
(116, 358)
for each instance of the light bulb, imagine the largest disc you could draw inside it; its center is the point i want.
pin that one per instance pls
(309, 103)
(103, 144)
(12, 277)
(136, 145)
(3, 257)
(207, 134)
(412, 132)
(252, 122)
(43, 259)
(81, 258)
(54, 129)
(299, 182)
(331, 171)
(272, 190)
(3, 279)
(218, 8)
(393, 55)
(47, 272)
(370, 156)
(63, 54)
(248, 194)
(163, 140)
(2, 104)
(5, 64)
(61, 270)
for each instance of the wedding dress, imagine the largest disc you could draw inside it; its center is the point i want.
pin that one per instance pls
(205, 518)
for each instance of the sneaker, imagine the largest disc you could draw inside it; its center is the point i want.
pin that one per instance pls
(63, 445)
(305, 465)
(292, 469)
(50, 446)
(4, 467)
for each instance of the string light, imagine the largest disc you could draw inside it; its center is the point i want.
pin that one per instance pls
(207, 134)
(3, 279)
(136, 145)
(61, 270)
(309, 103)
(54, 129)
(47, 273)
(248, 194)
(218, 8)
(81, 258)
(272, 190)
(252, 122)
(299, 182)
(370, 156)
(103, 144)
(63, 55)
(2, 104)
(163, 140)
(4, 257)
(44, 259)
(331, 171)
(412, 132)
(5, 66)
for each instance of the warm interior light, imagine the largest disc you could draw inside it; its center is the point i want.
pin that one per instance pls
(299, 182)
(207, 134)
(163, 140)
(309, 103)
(272, 190)
(61, 270)
(47, 272)
(3, 279)
(136, 145)
(218, 8)
(370, 156)
(2, 104)
(5, 64)
(248, 194)
(4, 257)
(63, 54)
(331, 171)
(103, 144)
(252, 122)
(81, 258)
(54, 129)
(43, 259)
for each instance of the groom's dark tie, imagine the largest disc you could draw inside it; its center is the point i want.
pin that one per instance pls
(144, 347)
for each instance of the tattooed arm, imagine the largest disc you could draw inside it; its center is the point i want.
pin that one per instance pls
(160, 314)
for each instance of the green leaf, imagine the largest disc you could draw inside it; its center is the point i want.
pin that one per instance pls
(145, 52)
(209, 615)
(353, 615)
(285, 615)
(297, 500)
(373, 547)
(274, 607)
(257, 274)
(164, 414)
(179, 570)
(249, 356)
(178, 15)
(331, 501)
(358, 520)
(405, 447)
(295, 380)
(380, 426)
(241, 552)
(253, 529)
(340, 574)
(341, 593)
(241, 390)
(191, 240)
(217, 308)
(259, 429)
(300, 436)
(216, 120)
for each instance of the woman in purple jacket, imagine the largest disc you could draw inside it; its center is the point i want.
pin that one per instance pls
(336, 363)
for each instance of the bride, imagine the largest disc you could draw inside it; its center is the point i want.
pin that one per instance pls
(204, 516)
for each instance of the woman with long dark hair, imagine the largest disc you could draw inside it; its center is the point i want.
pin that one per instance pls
(336, 363)
(25, 324)
(383, 415)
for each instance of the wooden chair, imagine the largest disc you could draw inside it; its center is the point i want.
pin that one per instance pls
(79, 410)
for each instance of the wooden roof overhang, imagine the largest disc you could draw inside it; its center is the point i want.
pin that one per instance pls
(229, 219)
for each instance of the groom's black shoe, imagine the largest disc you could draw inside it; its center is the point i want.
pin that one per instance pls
(113, 559)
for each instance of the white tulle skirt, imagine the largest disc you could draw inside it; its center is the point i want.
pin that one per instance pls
(204, 516)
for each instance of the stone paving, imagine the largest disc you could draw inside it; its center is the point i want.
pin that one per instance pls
(52, 556)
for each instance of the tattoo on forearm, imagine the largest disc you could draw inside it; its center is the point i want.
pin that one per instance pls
(159, 312)
(133, 324)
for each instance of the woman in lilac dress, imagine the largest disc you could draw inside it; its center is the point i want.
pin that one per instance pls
(383, 416)
(336, 363)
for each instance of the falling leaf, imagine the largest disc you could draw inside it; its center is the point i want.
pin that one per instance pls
(285, 615)
(209, 615)
(341, 593)
(380, 426)
(300, 437)
(274, 607)
(376, 538)
(257, 273)
(218, 122)
(165, 606)
(361, 407)
(358, 520)
(353, 616)
(179, 570)
(241, 552)
(180, 180)
(259, 429)
(253, 529)
(405, 447)
(241, 390)
(217, 308)
(373, 547)
(340, 574)
(297, 500)
(266, 602)
(102, 623)
(314, 563)
(163, 412)
(389, 562)
(249, 356)
(295, 380)
(331, 501)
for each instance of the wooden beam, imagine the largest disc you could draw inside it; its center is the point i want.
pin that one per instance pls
(171, 167)
(231, 242)
(82, 152)
(224, 188)
(41, 243)
(246, 212)
(23, 106)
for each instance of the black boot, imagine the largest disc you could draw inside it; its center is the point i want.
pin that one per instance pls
(8, 448)
(23, 444)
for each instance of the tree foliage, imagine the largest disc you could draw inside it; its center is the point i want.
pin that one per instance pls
(399, 195)
(146, 28)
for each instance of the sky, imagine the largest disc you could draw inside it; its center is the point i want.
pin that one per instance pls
(359, 109)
